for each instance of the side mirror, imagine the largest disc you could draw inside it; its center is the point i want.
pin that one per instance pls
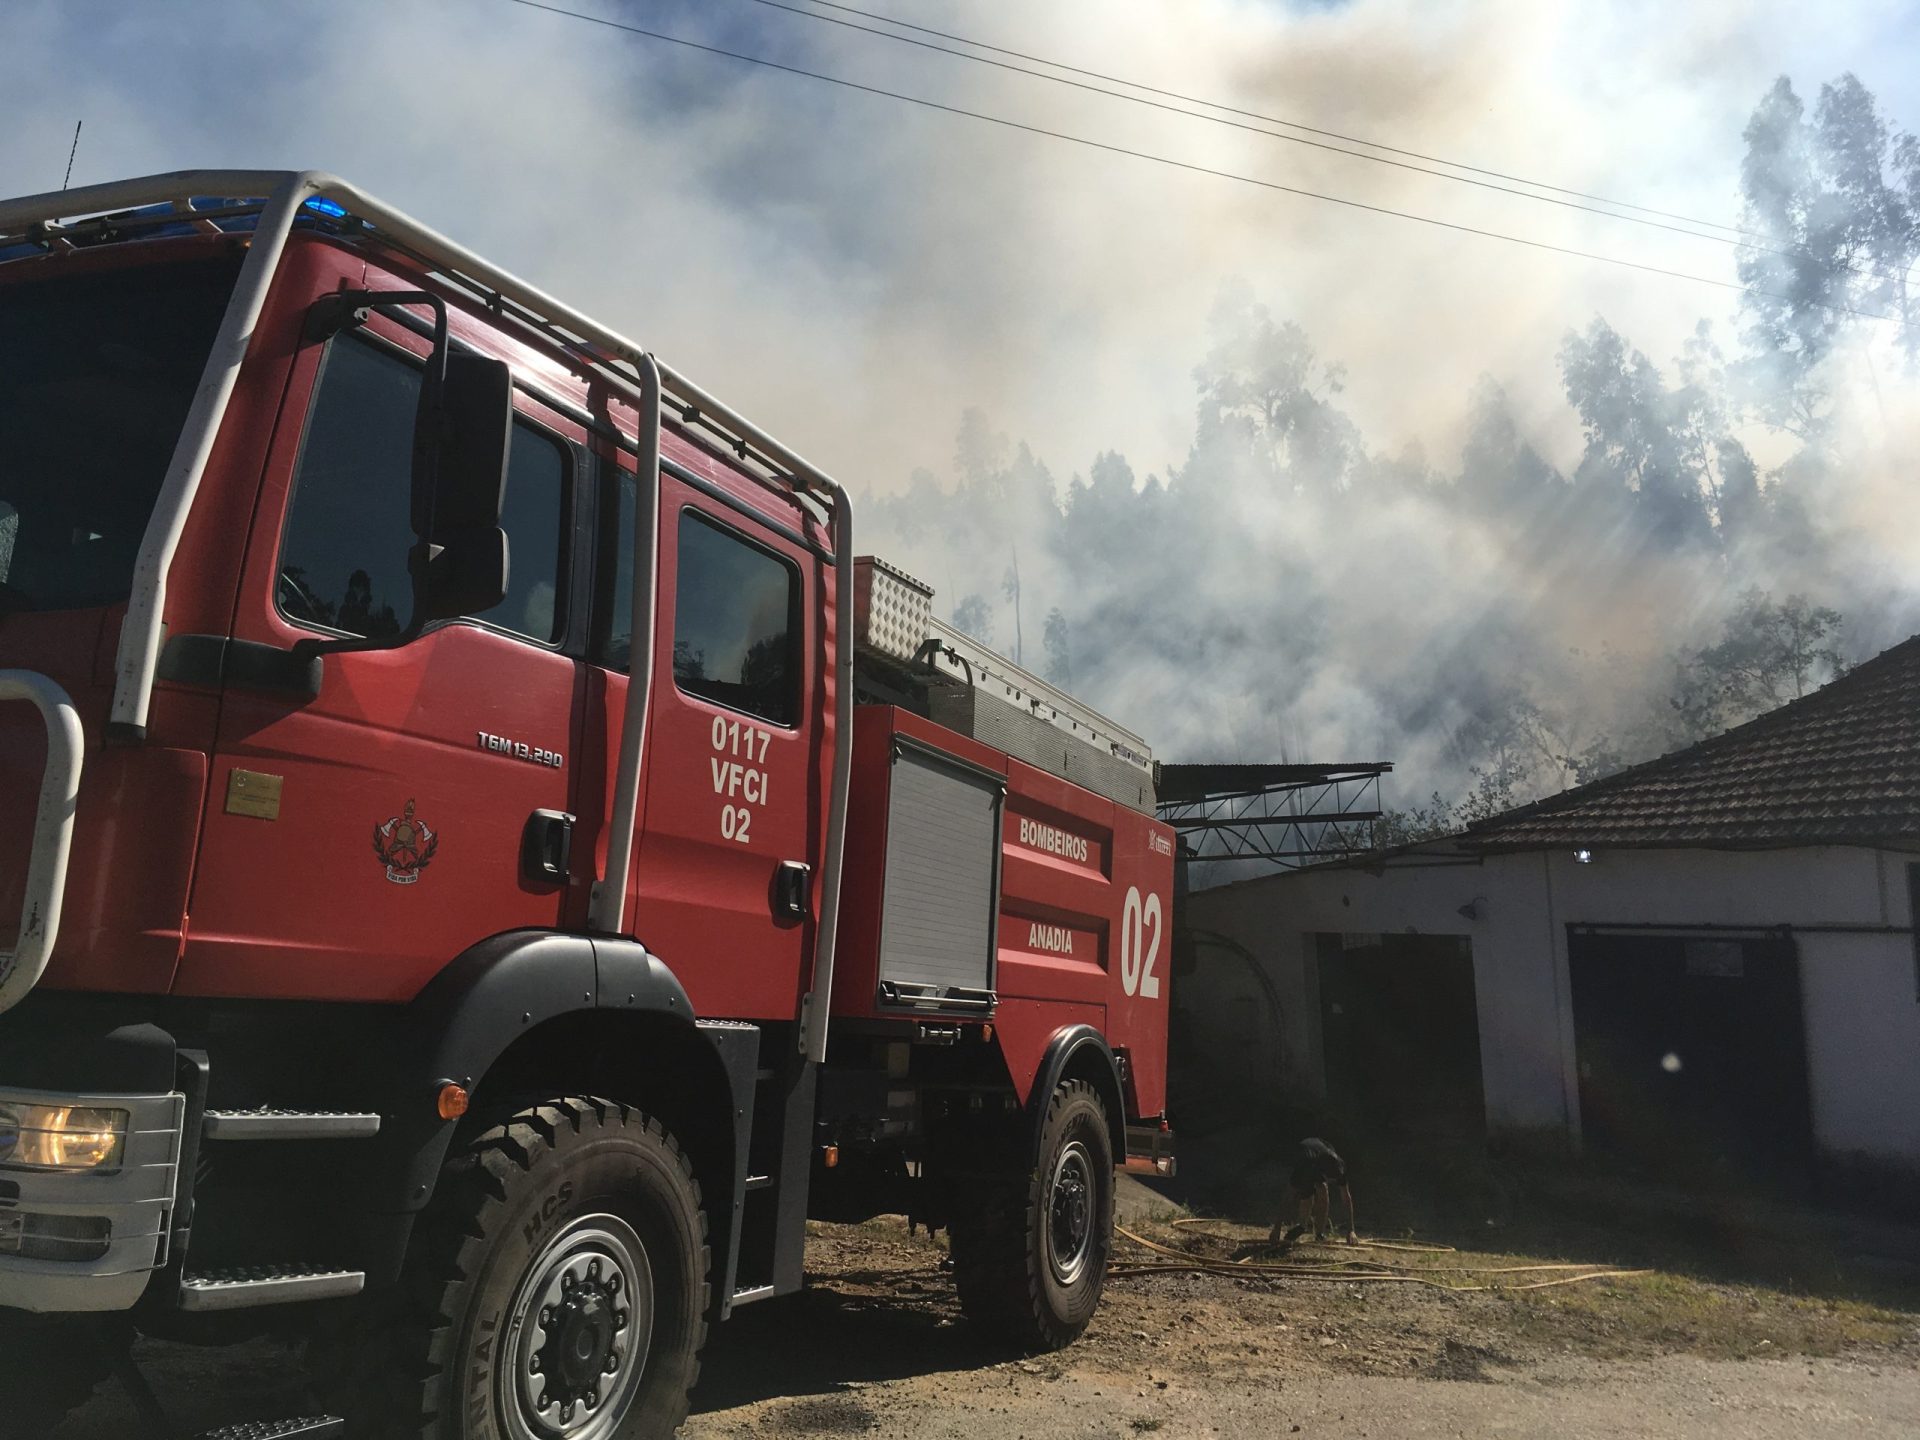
(460, 452)
(461, 438)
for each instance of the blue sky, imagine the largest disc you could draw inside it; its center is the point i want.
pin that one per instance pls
(858, 270)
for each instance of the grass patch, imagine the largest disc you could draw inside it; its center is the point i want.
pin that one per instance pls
(1665, 1313)
(1661, 1312)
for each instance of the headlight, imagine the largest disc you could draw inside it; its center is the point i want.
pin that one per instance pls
(61, 1137)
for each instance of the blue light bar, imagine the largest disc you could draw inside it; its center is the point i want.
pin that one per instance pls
(331, 208)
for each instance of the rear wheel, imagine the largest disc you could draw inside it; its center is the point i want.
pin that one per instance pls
(1030, 1257)
(557, 1289)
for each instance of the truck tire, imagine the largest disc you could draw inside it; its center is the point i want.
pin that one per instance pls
(556, 1286)
(1030, 1254)
(50, 1365)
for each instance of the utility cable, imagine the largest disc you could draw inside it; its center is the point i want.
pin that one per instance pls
(1747, 239)
(1593, 209)
(1275, 120)
(1189, 166)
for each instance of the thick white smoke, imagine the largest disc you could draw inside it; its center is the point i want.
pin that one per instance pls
(857, 271)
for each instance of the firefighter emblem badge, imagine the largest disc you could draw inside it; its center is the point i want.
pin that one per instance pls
(405, 846)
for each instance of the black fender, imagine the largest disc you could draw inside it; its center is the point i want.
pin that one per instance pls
(478, 1006)
(1078, 1052)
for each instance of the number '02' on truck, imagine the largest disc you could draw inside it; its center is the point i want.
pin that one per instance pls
(487, 861)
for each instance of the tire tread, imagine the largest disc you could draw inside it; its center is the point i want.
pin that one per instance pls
(998, 1251)
(410, 1333)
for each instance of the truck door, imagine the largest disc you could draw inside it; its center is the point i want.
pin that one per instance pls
(359, 839)
(731, 796)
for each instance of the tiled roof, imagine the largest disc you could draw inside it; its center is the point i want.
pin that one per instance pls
(1839, 766)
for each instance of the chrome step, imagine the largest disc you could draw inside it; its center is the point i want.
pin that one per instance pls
(759, 1182)
(315, 1427)
(248, 1286)
(747, 1294)
(267, 1124)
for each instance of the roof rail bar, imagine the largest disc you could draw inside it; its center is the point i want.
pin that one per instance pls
(601, 349)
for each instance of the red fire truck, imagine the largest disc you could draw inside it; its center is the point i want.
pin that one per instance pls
(487, 860)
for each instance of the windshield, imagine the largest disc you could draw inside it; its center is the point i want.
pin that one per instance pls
(96, 374)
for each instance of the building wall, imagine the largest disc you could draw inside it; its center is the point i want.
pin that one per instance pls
(1863, 1033)
(1231, 1010)
(1860, 1008)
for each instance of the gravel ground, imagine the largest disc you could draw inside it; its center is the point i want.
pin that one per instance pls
(875, 1347)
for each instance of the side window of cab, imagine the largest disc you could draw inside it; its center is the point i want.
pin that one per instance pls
(343, 555)
(736, 615)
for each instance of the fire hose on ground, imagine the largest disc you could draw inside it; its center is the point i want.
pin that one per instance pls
(1185, 1262)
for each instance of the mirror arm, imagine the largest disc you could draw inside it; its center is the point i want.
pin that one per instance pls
(307, 649)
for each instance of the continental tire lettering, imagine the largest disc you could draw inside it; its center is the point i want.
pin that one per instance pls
(480, 1372)
(1038, 835)
(537, 1222)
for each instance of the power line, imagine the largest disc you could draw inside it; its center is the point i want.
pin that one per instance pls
(1238, 125)
(1752, 240)
(1275, 120)
(1172, 163)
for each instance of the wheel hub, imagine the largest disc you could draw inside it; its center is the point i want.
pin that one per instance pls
(1070, 1200)
(580, 1334)
(583, 1318)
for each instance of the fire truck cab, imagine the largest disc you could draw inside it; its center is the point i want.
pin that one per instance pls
(488, 860)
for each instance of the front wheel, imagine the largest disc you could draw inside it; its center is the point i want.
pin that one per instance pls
(556, 1291)
(1030, 1258)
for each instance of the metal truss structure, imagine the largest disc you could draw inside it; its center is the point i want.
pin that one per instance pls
(1288, 815)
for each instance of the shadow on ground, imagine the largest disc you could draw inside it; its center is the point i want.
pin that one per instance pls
(821, 1340)
(814, 1345)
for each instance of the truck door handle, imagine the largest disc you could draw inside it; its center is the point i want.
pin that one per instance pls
(790, 889)
(546, 847)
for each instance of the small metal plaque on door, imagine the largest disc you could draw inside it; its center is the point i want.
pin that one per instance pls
(249, 792)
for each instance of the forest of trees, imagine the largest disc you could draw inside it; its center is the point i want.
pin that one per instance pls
(1499, 627)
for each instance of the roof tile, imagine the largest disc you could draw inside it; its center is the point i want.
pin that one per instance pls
(1839, 766)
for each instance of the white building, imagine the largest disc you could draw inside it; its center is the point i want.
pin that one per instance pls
(1706, 961)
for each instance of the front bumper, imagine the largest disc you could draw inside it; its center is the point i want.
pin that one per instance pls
(135, 1202)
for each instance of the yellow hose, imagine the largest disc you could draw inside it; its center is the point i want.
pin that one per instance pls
(1408, 1246)
(1188, 1263)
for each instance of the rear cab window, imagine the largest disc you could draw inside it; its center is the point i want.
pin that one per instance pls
(736, 614)
(734, 622)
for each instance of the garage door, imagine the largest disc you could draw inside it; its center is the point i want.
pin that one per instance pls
(1692, 1056)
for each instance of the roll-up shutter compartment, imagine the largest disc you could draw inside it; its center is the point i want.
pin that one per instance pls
(941, 892)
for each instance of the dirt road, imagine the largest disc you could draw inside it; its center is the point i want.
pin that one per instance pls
(876, 1347)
